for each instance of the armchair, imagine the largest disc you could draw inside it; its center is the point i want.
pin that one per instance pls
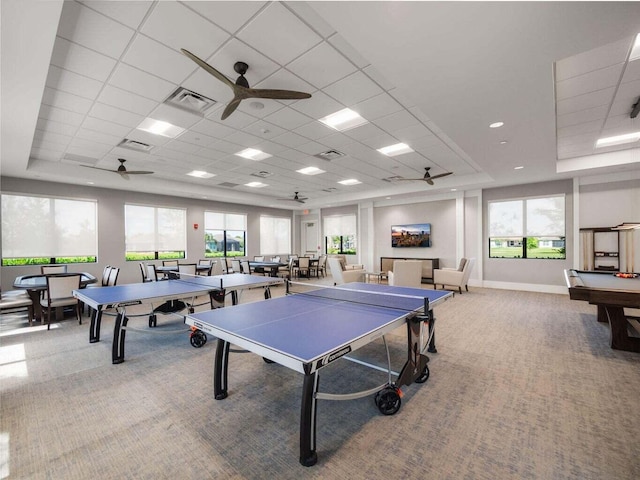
(454, 277)
(343, 276)
(406, 273)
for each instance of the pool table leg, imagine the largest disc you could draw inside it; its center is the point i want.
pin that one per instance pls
(619, 337)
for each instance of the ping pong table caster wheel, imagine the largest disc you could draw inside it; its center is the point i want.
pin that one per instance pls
(198, 338)
(424, 376)
(153, 321)
(388, 400)
(266, 360)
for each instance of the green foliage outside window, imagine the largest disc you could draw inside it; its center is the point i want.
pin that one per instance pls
(17, 262)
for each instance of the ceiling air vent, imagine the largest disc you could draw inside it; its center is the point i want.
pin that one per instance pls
(262, 174)
(329, 155)
(330, 189)
(393, 179)
(191, 101)
(134, 145)
(228, 184)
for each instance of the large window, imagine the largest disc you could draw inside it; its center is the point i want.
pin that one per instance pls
(275, 235)
(153, 233)
(224, 234)
(340, 234)
(527, 228)
(42, 230)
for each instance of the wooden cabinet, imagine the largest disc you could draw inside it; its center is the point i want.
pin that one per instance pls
(428, 266)
(606, 248)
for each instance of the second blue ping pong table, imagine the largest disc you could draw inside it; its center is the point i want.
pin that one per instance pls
(310, 329)
(165, 296)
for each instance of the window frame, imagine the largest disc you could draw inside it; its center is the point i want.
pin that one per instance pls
(279, 251)
(156, 253)
(228, 227)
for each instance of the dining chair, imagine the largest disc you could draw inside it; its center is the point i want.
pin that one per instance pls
(149, 272)
(235, 267)
(321, 266)
(245, 267)
(217, 268)
(170, 263)
(205, 263)
(304, 267)
(48, 269)
(258, 258)
(188, 269)
(15, 302)
(60, 294)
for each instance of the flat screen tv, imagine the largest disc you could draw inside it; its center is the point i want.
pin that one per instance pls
(413, 235)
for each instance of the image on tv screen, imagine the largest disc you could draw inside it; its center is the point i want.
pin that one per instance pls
(414, 235)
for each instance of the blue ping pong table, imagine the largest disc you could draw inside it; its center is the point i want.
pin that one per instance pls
(308, 331)
(169, 296)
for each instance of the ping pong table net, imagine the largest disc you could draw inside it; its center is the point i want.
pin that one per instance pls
(394, 301)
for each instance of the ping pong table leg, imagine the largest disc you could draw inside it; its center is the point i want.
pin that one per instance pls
(267, 293)
(220, 369)
(119, 332)
(308, 456)
(432, 333)
(94, 330)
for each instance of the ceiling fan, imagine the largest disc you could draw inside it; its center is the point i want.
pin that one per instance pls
(295, 198)
(427, 176)
(122, 170)
(241, 89)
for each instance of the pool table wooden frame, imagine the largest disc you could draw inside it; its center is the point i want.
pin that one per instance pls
(611, 295)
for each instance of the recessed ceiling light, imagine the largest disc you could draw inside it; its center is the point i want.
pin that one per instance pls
(201, 174)
(503, 142)
(397, 149)
(253, 154)
(91, 183)
(387, 198)
(618, 139)
(351, 181)
(158, 127)
(344, 120)
(518, 168)
(310, 171)
(454, 189)
(635, 51)
(496, 125)
(255, 184)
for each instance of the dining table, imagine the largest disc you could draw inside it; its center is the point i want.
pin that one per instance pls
(36, 284)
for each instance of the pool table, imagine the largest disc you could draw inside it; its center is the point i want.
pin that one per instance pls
(611, 295)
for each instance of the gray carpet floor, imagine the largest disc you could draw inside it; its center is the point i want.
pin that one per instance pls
(524, 386)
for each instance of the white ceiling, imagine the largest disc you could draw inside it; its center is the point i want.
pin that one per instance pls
(79, 77)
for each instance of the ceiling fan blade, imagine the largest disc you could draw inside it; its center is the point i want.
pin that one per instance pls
(231, 107)
(276, 94)
(208, 68)
(99, 168)
(124, 175)
(137, 172)
(441, 175)
(429, 181)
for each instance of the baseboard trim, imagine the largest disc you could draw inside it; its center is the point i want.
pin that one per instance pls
(526, 287)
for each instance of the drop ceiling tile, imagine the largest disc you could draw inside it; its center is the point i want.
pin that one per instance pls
(238, 120)
(618, 121)
(127, 101)
(290, 139)
(270, 147)
(589, 82)
(47, 155)
(175, 116)
(89, 148)
(212, 129)
(353, 89)
(258, 107)
(229, 15)
(318, 106)
(413, 132)
(396, 121)
(57, 148)
(311, 148)
(279, 34)
(336, 140)
(211, 155)
(148, 138)
(363, 132)
(55, 127)
(293, 154)
(59, 115)
(584, 102)
(197, 138)
(243, 138)
(115, 115)
(54, 138)
(66, 101)
(98, 137)
(83, 61)
(260, 67)
(632, 72)
(628, 92)
(70, 82)
(187, 29)
(377, 107)
(314, 130)
(180, 146)
(264, 130)
(377, 77)
(287, 118)
(580, 128)
(84, 26)
(141, 83)
(99, 125)
(227, 147)
(595, 59)
(130, 13)
(322, 66)
(381, 139)
(402, 98)
(157, 59)
(582, 116)
(341, 44)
